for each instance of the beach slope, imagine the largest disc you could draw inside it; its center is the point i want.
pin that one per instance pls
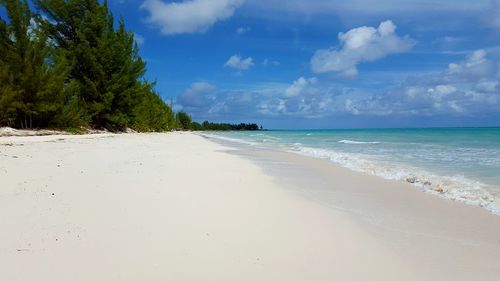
(170, 207)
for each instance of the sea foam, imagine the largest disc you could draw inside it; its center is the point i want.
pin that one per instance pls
(456, 187)
(358, 142)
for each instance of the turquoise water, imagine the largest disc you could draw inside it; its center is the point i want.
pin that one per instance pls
(462, 164)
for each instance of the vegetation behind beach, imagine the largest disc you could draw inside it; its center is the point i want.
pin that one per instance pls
(74, 66)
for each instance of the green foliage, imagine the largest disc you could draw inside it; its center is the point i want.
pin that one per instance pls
(31, 76)
(195, 126)
(183, 120)
(73, 69)
(152, 114)
(208, 126)
(72, 113)
(75, 130)
(106, 64)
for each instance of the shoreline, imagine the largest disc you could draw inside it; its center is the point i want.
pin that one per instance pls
(452, 186)
(455, 236)
(177, 206)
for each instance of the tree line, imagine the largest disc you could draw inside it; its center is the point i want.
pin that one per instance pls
(185, 122)
(71, 66)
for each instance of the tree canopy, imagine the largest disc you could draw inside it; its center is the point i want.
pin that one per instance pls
(184, 122)
(32, 76)
(74, 67)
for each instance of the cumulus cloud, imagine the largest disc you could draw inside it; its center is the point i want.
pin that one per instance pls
(302, 98)
(469, 88)
(476, 66)
(237, 62)
(299, 86)
(188, 16)
(362, 44)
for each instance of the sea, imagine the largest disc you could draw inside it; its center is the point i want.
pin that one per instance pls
(461, 164)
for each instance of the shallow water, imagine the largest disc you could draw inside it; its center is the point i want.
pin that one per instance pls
(462, 164)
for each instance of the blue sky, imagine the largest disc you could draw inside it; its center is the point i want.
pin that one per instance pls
(323, 63)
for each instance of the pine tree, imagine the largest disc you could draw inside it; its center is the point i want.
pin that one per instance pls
(32, 78)
(107, 69)
(74, 68)
(7, 93)
(152, 114)
(124, 70)
(183, 120)
(77, 29)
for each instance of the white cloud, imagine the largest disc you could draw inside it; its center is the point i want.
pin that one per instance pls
(362, 44)
(302, 99)
(469, 87)
(237, 62)
(299, 86)
(242, 30)
(487, 85)
(189, 16)
(351, 107)
(441, 91)
(476, 65)
(465, 89)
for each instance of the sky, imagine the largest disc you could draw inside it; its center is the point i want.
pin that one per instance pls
(300, 64)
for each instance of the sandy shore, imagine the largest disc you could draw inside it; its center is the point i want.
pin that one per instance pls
(180, 207)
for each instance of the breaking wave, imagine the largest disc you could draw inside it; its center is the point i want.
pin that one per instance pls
(456, 187)
(358, 142)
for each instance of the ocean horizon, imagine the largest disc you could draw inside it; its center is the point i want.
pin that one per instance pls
(458, 163)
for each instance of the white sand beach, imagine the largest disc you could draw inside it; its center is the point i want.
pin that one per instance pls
(178, 206)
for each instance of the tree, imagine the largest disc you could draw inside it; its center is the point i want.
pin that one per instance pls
(183, 120)
(8, 95)
(152, 114)
(77, 28)
(208, 126)
(106, 69)
(195, 126)
(31, 76)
